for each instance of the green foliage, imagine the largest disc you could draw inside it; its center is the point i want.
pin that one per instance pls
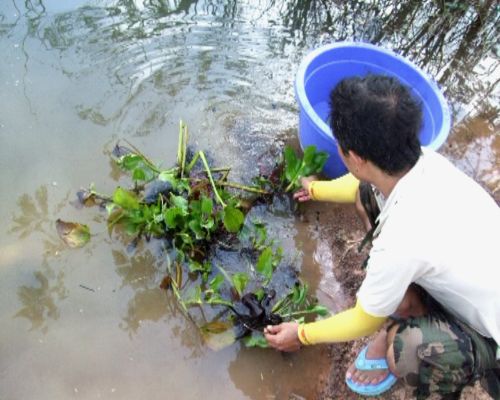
(295, 168)
(256, 340)
(265, 263)
(193, 211)
(233, 219)
(136, 164)
(297, 304)
(268, 261)
(125, 199)
(203, 269)
(240, 281)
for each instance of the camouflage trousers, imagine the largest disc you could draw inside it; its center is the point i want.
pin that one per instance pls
(438, 354)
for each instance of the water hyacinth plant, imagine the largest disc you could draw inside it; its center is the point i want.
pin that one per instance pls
(196, 211)
(295, 168)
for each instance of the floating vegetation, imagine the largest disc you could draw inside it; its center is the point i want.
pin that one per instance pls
(197, 212)
(72, 233)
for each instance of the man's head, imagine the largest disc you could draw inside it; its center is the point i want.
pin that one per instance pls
(377, 118)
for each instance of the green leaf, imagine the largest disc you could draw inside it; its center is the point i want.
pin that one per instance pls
(299, 294)
(256, 340)
(131, 227)
(292, 163)
(216, 300)
(233, 219)
(186, 240)
(179, 202)
(130, 161)
(295, 168)
(216, 282)
(168, 176)
(73, 233)
(320, 310)
(139, 175)
(315, 164)
(125, 199)
(308, 157)
(260, 293)
(174, 216)
(195, 266)
(136, 163)
(196, 228)
(240, 281)
(265, 263)
(277, 256)
(208, 224)
(206, 205)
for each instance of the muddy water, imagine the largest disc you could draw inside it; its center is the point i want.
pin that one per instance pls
(78, 75)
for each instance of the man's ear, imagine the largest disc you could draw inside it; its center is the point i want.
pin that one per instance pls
(356, 159)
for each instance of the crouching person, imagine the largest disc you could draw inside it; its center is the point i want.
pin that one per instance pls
(430, 288)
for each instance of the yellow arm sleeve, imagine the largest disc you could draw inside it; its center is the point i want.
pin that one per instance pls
(347, 325)
(340, 190)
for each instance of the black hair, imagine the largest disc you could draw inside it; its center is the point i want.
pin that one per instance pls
(377, 117)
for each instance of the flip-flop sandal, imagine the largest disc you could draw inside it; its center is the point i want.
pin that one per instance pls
(363, 364)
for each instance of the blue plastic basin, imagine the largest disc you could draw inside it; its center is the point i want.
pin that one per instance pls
(324, 67)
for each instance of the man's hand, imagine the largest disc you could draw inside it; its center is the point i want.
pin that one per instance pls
(302, 194)
(283, 337)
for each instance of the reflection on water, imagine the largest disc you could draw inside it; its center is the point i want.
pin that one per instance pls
(78, 75)
(446, 38)
(48, 288)
(476, 150)
(39, 300)
(137, 271)
(33, 213)
(146, 305)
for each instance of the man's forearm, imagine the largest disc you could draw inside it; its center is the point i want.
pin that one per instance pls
(347, 325)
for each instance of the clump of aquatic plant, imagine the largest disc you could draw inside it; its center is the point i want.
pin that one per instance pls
(194, 209)
(295, 167)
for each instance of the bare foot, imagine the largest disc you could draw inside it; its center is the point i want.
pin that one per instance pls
(376, 349)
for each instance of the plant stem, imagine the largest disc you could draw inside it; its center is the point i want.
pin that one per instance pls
(217, 302)
(178, 275)
(175, 291)
(100, 196)
(297, 314)
(237, 186)
(184, 149)
(281, 304)
(224, 273)
(207, 168)
(179, 146)
(221, 169)
(295, 178)
(192, 162)
(242, 187)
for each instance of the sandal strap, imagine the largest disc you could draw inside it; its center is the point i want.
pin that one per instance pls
(363, 364)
